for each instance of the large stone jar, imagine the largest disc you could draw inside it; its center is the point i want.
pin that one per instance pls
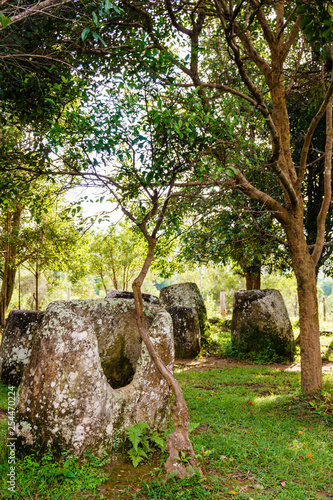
(185, 294)
(89, 377)
(260, 323)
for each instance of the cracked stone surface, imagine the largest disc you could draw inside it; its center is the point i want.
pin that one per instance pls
(17, 338)
(73, 397)
(186, 331)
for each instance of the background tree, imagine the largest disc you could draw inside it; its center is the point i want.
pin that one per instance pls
(115, 256)
(38, 233)
(49, 243)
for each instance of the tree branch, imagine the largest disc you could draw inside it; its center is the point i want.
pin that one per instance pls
(174, 21)
(38, 8)
(321, 219)
(308, 136)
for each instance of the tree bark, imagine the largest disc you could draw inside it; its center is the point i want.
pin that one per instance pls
(252, 275)
(178, 441)
(305, 272)
(9, 249)
(37, 286)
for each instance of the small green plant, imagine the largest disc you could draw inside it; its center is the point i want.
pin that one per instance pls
(265, 356)
(322, 406)
(202, 456)
(190, 488)
(142, 442)
(47, 477)
(183, 458)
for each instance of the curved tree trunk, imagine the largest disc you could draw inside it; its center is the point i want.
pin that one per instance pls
(178, 441)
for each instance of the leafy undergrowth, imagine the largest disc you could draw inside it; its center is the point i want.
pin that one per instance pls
(48, 479)
(3, 412)
(257, 435)
(218, 343)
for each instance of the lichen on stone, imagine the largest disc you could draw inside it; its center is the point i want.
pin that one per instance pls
(74, 407)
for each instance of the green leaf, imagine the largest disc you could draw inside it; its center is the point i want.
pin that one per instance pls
(68, 462)
(137, 456)
(84, 33)
(97, 37)
(134, 433)
(68, 473)
(4, 20)
(95, 18)
(107, 6)
(158, 440)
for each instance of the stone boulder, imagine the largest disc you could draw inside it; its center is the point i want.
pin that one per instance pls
(89, 377)
(260, 322)
(185, 294)
(186, 331)
(122, 294)
(19, 333)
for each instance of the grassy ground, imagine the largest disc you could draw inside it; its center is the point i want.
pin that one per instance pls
(258, 437)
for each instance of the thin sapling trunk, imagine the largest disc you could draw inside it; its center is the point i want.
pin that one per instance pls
(181, 458)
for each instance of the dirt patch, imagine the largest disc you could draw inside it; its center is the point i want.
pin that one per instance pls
(215, 363)
(208, 363)
(3, 415)
(125, 480)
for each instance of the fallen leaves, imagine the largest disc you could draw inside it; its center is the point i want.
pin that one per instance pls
(223, 457)
(258, 486)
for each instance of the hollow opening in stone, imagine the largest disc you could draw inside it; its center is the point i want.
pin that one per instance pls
(117, 367)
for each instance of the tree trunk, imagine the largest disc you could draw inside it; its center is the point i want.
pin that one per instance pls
(101, 275)
(252, 276)
(12, 222)
(19, 287)
(178, 441)
(305, 272)
(7, 288)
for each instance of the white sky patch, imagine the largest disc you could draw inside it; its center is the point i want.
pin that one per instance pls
(96, 205)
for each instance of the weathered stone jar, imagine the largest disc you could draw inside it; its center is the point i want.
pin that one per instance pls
(260, 322)
(90, 376)
(187, 295)
(186, 331)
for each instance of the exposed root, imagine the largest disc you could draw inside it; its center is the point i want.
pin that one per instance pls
(181, 460)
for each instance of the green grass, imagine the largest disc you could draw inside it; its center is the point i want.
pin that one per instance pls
(261, 428)
(3, 410)
(263, 439)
